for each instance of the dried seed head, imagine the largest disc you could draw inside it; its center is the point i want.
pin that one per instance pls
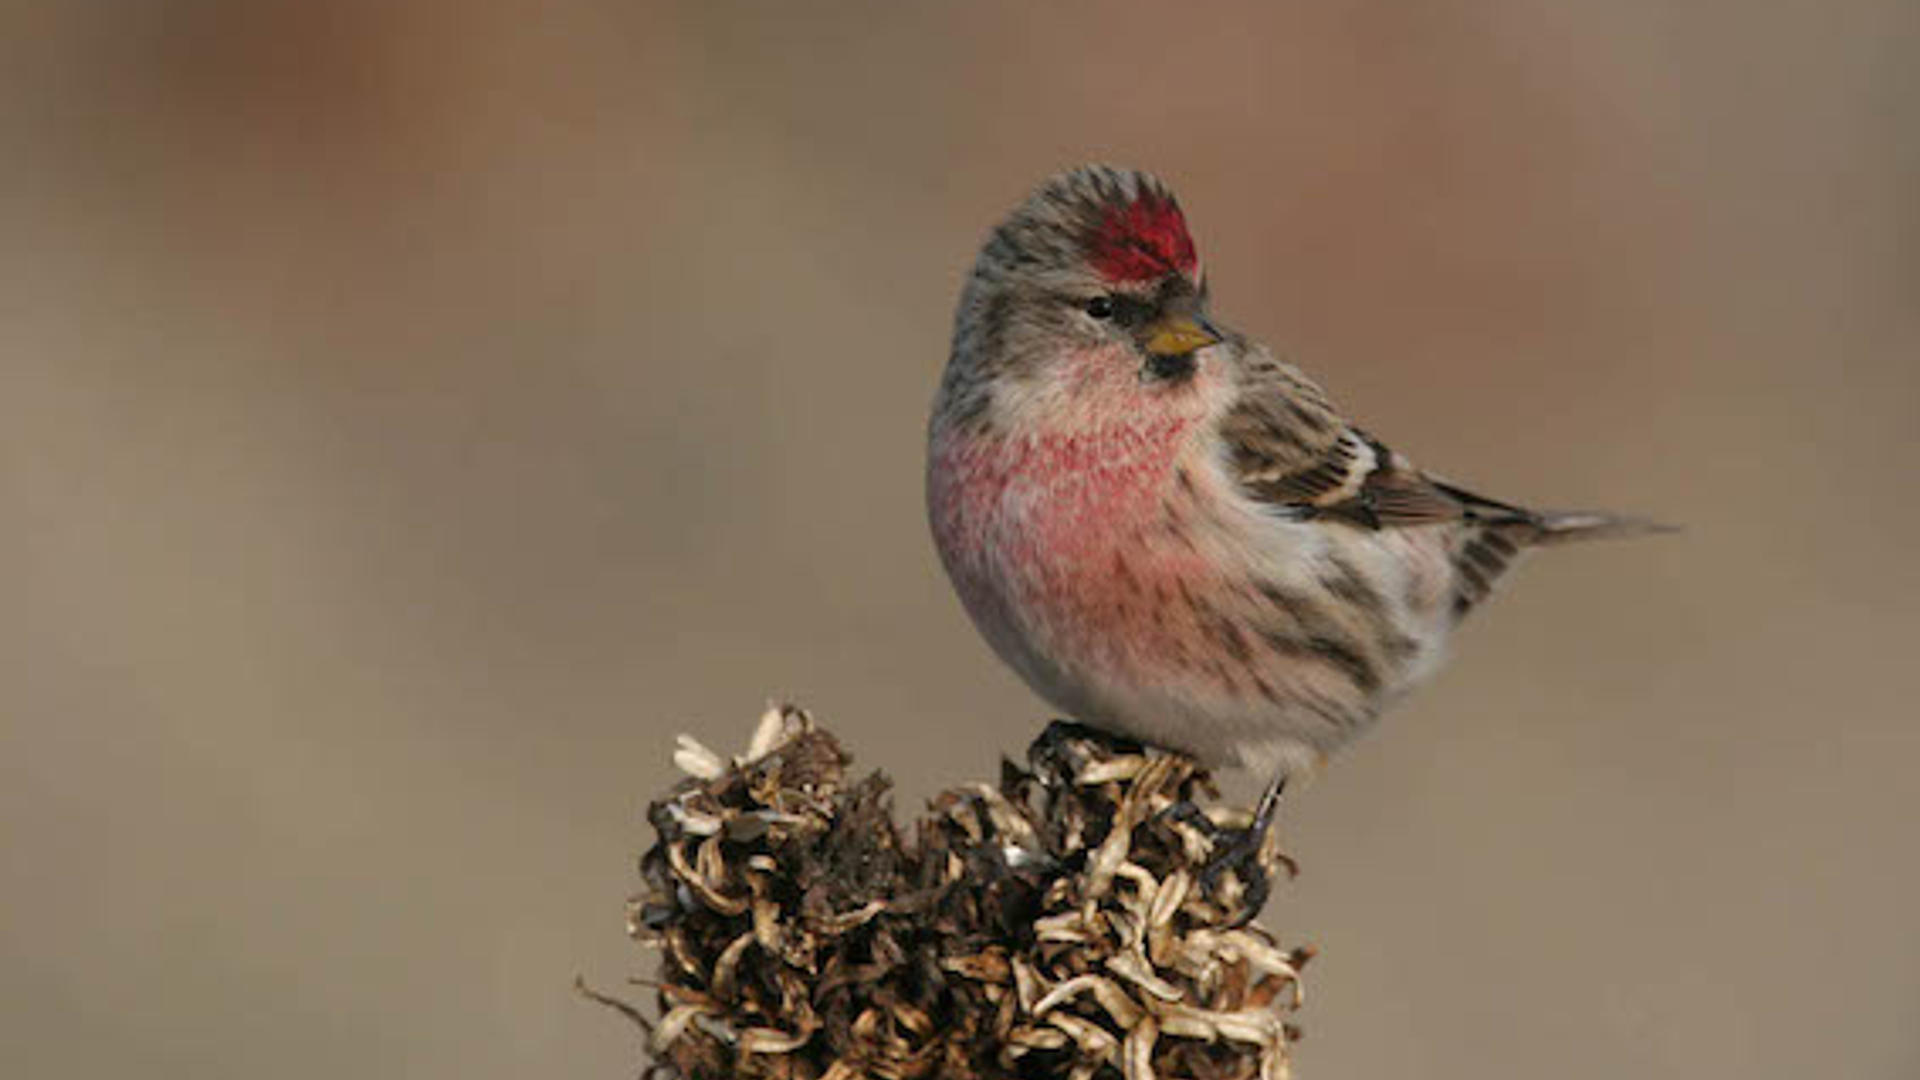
(1066, 923)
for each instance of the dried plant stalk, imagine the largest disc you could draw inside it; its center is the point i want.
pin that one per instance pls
(1076, 920)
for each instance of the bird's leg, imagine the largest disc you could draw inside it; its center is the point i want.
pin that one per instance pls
(1249, 853)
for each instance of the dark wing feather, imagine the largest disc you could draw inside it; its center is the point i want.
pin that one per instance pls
(1292, 450)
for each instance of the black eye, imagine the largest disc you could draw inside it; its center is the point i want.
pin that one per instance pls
(1100, 307)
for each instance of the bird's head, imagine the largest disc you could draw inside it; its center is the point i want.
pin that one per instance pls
(1089, 296)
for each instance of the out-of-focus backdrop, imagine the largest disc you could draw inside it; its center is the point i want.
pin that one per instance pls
(413, 414)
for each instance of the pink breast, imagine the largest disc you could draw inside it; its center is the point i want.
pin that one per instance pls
(1068, 538)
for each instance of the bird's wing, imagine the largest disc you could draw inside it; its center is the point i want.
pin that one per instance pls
(1290, 449)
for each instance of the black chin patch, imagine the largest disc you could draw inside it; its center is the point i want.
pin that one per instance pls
(1175, 368)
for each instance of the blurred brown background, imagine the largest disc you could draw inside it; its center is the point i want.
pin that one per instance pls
(412, 414)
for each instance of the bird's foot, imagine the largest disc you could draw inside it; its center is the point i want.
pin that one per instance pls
(1239, 870)
(1067, 746)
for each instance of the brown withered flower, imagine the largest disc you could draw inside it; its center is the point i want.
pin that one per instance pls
(1079, 919)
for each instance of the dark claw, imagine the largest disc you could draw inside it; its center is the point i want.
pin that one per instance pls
(1186, 813)
(1243, 851)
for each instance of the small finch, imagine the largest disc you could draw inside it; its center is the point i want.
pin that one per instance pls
(1168, 531)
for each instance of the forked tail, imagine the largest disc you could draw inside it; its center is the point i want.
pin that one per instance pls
(1568, 526)
(1490, 548)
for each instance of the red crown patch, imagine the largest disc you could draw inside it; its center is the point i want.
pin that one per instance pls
(1142, 241)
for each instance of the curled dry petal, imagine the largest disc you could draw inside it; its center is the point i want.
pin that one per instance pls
(1034, 1037)
(1106, 772)
(1029, 987)
(1110, 997)
(1138, 1053)
(835, 925)
(986, 967)
(1168, 897)
(771, 1041)
(697, 761)
(768, 735)
(1066, 926)
(675, 1023)
(1139, 901)
(1247, 1026)
(1107, 860)
(1134, 968)
(694, 822)
(1094, 1041)
(725, 968)
(696, 881)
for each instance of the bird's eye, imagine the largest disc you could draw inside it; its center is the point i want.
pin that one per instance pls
(1100, 307)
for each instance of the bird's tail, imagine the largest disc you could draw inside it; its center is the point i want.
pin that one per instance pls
(1561, 527)
(1489, 551)
(1521, 527)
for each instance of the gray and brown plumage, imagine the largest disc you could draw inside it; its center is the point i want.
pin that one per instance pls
(1170, 532)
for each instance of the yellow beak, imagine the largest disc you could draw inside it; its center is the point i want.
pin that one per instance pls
(1178, 335)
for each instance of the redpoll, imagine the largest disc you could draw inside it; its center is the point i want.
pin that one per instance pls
(1167, 530)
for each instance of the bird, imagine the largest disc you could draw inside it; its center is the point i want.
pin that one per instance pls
(1166, 528)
